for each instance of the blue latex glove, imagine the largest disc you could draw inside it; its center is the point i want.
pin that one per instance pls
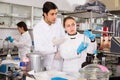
(95, 51)
(58, 78)
(9, 38)
(82, 47)
(89, 34)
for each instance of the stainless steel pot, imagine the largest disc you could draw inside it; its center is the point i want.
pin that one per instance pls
(36, 61)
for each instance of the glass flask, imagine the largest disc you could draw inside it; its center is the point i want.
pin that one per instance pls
(95, 72)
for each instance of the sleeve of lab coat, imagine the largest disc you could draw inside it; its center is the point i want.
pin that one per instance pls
(23, 41)
(20, 43)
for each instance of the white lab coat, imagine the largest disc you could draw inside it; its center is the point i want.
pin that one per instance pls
(43, 39)
(68, 51)
(24, 44)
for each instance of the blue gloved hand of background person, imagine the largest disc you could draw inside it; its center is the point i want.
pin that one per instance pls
(9, 38)
(82, 47)
(89, 34)
(58, 78)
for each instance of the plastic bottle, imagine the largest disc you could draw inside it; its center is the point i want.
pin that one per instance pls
(23, 66)
(9, 57)
(27, 63)
(95, 60)
(103, 61)
(17, 61)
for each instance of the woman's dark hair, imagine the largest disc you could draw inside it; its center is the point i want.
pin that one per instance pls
(22, 25)
(66, 18)
(48, 6)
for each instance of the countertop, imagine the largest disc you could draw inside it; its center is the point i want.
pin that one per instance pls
(47, 75)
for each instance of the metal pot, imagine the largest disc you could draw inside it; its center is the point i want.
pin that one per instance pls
(36, 61)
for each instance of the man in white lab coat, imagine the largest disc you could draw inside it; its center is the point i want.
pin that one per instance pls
(75, 47)
(24, 42)
(44, 33)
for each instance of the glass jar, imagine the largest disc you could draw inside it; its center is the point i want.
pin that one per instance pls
(95, 72)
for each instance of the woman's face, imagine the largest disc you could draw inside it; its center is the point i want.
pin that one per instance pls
(70, 26)
(20, 30)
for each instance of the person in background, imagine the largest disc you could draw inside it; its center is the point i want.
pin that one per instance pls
(75, 47)
(48, 35)
(24, 42)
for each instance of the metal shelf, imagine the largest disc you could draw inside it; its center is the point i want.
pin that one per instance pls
(108, 53)
(96, 32)
(87, 14)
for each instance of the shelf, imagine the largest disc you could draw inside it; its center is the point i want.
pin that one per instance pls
(97, 24)
(87, 14)
(101, 32)
(13, 28)
(4, 15)
(11, 14)
(24, 17)
(37, 17)
(96, 32)
(111, 53)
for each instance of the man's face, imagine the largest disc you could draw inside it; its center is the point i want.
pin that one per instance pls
(51, 16)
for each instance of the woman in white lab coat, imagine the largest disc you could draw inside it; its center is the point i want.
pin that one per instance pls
(68, 50)
(24, 42)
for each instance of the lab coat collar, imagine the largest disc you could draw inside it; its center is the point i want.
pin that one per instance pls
(74, 36)
(24, 33)
(46, 23)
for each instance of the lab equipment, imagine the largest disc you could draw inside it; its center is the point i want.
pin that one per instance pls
(5, 46)
(115, 44)
(10, 72)
(58, 78)
(89, 34)
(9, 57)
(82, 47)
(22, 65)
(4, 68)
(95, 60)
(0, 60)
(36, 61)
(9, 38)
(88, 61)
(95, 72)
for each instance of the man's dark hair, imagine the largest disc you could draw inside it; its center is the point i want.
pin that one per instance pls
(22, 24)
(48, 6)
